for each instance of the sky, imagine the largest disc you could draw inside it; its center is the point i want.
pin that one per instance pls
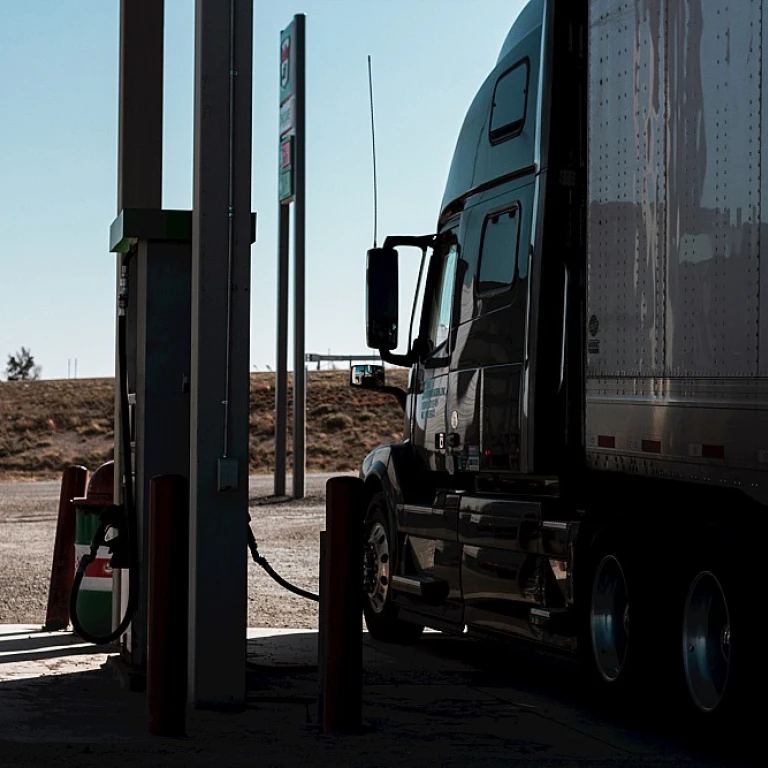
(58, 157)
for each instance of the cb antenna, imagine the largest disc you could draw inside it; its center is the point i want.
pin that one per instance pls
(373, 145)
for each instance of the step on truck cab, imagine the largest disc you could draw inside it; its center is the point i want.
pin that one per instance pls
(585, 461)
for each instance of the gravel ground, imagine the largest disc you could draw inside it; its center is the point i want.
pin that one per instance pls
(287, 532)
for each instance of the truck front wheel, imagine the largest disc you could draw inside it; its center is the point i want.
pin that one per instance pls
(609, 618)
(378, 566)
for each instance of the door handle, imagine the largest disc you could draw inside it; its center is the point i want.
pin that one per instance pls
(443, 441)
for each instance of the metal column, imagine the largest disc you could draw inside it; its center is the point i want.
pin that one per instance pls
(139, 185)
(281, 372)
(162, 269)
(299, 292)
(160, 244)
(219, 391)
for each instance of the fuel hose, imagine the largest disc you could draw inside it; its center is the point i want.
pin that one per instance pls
(261, 561)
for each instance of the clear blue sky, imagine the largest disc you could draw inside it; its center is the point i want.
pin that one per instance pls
(58, 144)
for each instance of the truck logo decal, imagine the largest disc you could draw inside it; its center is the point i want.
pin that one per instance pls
(429, 401)
(594, 325)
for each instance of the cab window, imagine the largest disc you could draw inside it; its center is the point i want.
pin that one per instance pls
(499, 250)
(510, 101)
(442, 279)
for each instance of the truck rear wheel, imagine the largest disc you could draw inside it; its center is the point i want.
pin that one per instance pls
(720, 647)
(606, 630)
(378, 566)
(706, 641)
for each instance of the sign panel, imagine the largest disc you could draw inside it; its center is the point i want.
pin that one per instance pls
(287, 116)
(285, 185)
(286, 63)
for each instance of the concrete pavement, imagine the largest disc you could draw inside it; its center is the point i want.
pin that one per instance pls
(446, 701)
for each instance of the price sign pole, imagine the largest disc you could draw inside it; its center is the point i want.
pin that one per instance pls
(291, 188)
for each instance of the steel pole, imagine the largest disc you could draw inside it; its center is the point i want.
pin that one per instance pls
(168, 591)
(340, 664)
(281, 372)
(73, 484)
(139, 185)
(299, 298)
(219, 380)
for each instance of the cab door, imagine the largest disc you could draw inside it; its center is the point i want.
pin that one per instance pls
(430, 377)
(488, 354)
(429, 518)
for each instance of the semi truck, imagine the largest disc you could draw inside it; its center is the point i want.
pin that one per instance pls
(585, 453)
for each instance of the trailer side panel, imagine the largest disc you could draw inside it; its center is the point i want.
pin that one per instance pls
(677, 375)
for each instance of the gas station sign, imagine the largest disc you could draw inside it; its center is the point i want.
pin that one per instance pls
(285, 178)
(286, 63)
(287, 115)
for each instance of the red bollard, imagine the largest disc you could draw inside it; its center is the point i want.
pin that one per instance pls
(167, 604)
(73, 483)
(341, 643)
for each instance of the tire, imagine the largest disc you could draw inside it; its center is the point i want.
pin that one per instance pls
(378, 564)
(607, 646)
(705, 640)
(720, 651)
(716, 675)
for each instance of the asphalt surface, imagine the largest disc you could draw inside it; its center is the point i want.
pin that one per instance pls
(455, 702)
(446, 701)
(287, 532)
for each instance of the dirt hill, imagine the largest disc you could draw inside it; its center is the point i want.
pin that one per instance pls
(46, 425)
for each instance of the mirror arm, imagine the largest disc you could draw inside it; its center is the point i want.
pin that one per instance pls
(405, 361)
(399, 394)
(417, 241)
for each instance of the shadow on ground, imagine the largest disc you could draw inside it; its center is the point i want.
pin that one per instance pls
(27, 647)
(448, 701)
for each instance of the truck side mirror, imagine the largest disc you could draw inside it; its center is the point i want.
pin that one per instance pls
(367, 376)
(381, 299)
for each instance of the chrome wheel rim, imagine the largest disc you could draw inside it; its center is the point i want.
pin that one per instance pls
(376, 568)
(609, 619)
(706, 641)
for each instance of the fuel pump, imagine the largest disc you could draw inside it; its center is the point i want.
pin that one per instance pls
(117, 523)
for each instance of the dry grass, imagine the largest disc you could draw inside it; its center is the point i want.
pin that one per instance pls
(47, 425)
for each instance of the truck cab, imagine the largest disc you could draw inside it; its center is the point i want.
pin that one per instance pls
(584, 458)
(488, 351)
(488, 393)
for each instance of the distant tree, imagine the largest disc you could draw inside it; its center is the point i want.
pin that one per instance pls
(21, 366)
